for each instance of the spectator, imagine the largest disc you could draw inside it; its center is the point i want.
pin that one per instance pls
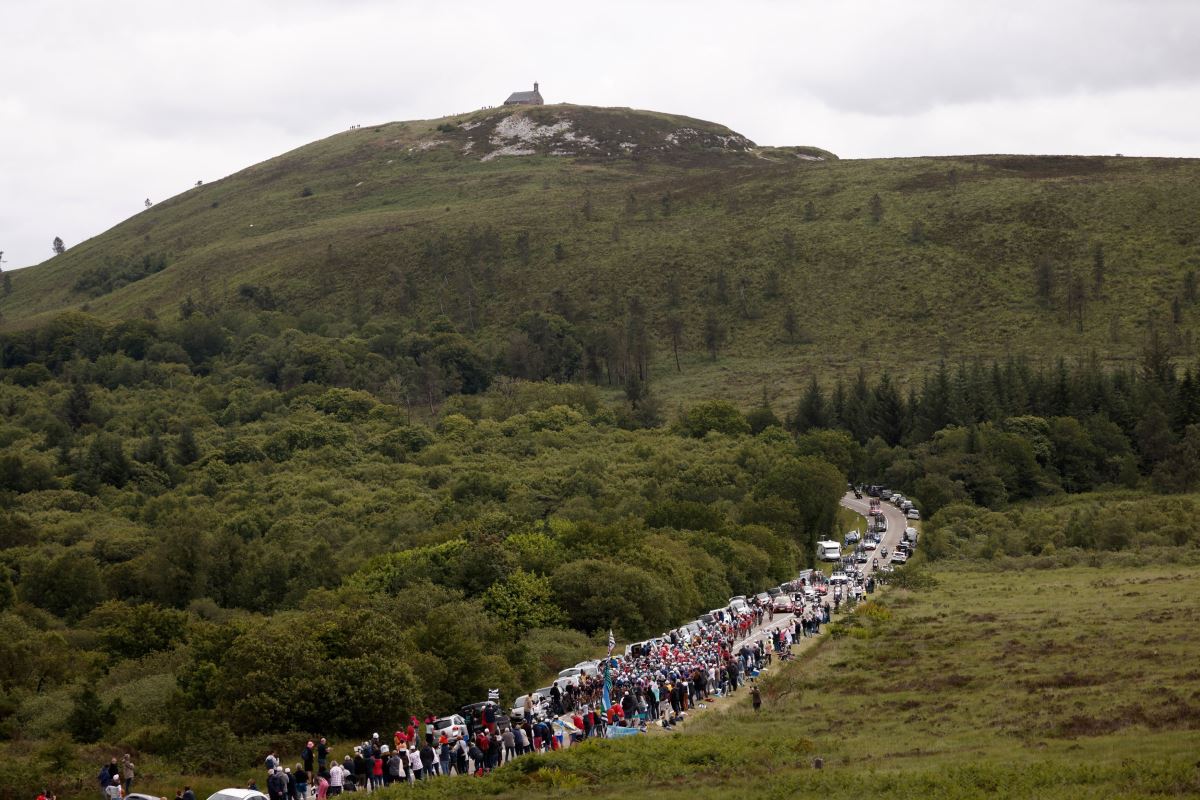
(336, 776)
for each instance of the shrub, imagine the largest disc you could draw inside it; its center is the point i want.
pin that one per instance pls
(718, 416)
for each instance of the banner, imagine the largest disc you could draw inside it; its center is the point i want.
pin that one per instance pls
(606, 699)
(616, 732)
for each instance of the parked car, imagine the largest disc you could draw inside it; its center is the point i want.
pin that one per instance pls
(912, 513)
(898, 557)
(237, 794)
(762, 599)
(454, 726)
(568, 677)
(472, 713)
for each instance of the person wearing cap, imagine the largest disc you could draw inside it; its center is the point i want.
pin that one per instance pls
(113, 790)
(414, 762)
(127, 773)
(444, 755)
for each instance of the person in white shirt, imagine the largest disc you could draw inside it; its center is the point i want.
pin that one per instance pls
(414, 762)
(336, 777)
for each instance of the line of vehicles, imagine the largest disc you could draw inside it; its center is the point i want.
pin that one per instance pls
(885, 494)
(863, 549)
(779, 599)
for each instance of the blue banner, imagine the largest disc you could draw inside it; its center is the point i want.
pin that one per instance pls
(615, 731)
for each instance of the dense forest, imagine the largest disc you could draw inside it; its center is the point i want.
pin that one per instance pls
(238, 524)
(222, 532)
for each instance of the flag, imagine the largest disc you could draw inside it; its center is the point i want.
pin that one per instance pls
(612, 641)
(606, 698)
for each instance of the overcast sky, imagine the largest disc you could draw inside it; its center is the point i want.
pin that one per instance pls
(106, 102)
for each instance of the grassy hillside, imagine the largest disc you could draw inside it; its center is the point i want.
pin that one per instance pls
(600, 214)
(1041, 683)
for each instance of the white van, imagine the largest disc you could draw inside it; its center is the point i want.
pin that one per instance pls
(829, 551)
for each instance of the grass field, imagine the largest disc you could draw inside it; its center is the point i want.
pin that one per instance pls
(1067, 683)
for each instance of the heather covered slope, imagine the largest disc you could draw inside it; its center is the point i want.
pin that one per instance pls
(774, 260)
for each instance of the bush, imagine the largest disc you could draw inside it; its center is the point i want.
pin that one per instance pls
(90, 717)
(717, 416)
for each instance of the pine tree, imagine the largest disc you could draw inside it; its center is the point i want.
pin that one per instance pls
(77, 410)
(916, 233)
(90, 717)
(887, 412)
(811, 411)
(186, 449)
(57, 246)
(714, 334)
(675, 329)
(1043, 277)
(837, 406)
(876, 208)
(934, 411)
(790, 324)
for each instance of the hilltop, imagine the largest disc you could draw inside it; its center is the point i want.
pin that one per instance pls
(773, 259)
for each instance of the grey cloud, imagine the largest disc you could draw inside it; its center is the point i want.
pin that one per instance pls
(105, 103)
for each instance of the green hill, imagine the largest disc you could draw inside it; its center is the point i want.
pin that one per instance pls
(779, 258)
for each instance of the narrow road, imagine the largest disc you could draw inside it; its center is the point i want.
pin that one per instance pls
(896, 522)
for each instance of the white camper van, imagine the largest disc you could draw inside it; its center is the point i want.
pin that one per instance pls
(829, 551)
